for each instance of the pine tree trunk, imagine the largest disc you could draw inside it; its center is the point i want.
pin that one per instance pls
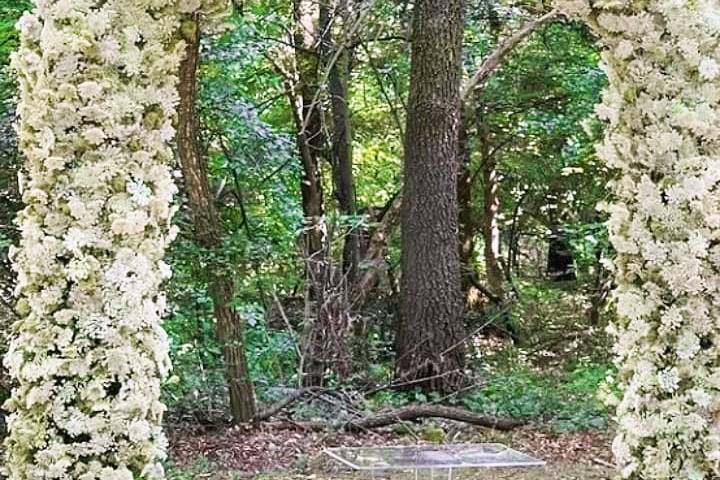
(429, 341)
(208, 233)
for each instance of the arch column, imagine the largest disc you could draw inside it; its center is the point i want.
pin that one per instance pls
(97, 107)
(663, 140)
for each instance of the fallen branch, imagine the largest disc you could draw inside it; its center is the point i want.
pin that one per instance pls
(431, 411)
(385, 419)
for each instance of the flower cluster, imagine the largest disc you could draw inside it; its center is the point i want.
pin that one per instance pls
(97, 107)
(662, 108)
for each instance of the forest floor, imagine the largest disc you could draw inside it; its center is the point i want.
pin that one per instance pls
(280, 453)
(551, 379)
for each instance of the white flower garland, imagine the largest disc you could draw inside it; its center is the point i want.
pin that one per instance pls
(663, 114)
(97, 106)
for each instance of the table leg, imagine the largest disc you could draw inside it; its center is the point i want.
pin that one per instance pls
(434, 474)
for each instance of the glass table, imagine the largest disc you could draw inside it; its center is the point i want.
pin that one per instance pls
(431, 461)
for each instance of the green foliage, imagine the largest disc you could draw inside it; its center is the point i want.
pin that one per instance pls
(567, 402)
(588, 241)
(272, 353)
(538, 110)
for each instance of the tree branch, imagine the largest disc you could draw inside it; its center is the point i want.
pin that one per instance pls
(495, 59)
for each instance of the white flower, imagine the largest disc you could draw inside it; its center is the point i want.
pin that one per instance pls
(79, 269)
(688, 345)
(121, 473)
(708, 69)
(139, 431)
(624, 49)
(669, 379)
(139, 192)
(90, 90)
(701, 398)
(77, 238)
(95, 136)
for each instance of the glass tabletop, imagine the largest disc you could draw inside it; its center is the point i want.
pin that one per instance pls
(422, 457)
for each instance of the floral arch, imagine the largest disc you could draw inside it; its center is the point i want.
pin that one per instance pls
(663, 138)
(96, 126)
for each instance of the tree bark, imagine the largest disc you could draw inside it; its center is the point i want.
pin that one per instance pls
(337, 59)
(305, 96)
(208, 233)
(430, 336)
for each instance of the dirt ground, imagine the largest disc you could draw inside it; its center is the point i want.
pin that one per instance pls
(285, 454)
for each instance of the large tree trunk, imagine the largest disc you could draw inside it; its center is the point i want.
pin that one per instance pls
(430, 337)
(208, 233)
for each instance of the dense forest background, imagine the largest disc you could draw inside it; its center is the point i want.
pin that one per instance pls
(288, 268)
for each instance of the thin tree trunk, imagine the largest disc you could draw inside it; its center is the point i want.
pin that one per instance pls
(430, 337)
(208, 233)
(513, 240)
(468, 225)
(311, 145)
(601, 289)
(337, 60)
(310, 138)
(334, 18)
(491, 209)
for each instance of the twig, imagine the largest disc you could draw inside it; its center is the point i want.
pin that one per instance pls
(274, 409)
(603, 463)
